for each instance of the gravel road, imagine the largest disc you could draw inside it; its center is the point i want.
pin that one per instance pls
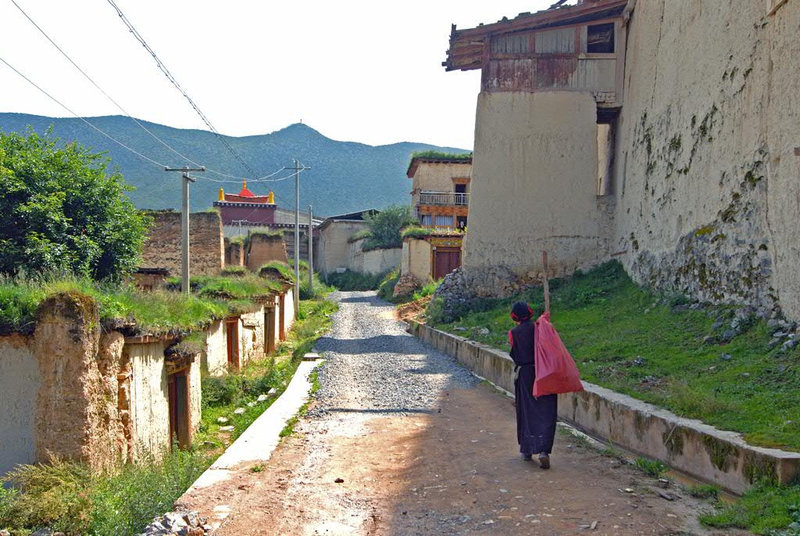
(372, 363)
(401, 441)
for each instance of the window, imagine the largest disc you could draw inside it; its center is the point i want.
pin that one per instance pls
(425, 219)
(444, 221)
(600, 39)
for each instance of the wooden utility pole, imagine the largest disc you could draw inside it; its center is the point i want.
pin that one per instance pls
(545, 283)
(310, 252)
(185, 287)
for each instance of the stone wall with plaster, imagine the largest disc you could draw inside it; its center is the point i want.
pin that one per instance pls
(251, 334)
(416, 259)
(376, 261)
(706, 175)
(534, 188)
(162, 249)
(214, 358)
(19, 384)
(333, 248)
(149, 397)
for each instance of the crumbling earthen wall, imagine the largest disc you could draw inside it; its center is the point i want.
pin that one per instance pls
(416, 259)
(206, 245)
(263, 248)
(251, 334)
(706, 173)
(534, 166)
(234, 253)
(19, 383)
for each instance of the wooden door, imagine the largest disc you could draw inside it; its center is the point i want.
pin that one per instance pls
(232, 339)
(179, 425)
(269, 329)
(445, 260)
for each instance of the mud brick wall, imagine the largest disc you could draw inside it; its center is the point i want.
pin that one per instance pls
(264, 248)
(206, 244)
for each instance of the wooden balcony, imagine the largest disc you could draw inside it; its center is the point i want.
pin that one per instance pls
(443, 198)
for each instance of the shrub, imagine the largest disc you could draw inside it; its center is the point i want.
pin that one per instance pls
(386, 286)
(348, 280)
(386, 225)
(62, 212)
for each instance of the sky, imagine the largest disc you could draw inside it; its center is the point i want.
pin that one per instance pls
(355, 70)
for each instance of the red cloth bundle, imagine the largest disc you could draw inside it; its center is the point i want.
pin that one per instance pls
(556, 371)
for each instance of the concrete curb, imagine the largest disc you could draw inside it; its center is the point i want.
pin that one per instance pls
(258, 442)
(690, 446)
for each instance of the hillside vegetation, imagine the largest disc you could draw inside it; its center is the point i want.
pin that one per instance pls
(344, 176)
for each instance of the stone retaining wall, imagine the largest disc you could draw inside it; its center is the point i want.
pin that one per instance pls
(687, 445)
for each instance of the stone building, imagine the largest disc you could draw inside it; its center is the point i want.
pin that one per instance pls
(440, 196)
(663, 134)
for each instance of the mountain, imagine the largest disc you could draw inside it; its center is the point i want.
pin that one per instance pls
(344, 176)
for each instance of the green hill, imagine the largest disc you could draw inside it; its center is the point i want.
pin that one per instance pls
(345, 176)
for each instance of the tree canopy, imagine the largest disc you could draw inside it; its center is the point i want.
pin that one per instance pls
(61, 211)
(385, 227)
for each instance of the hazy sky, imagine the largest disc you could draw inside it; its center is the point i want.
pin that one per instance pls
(366, 71)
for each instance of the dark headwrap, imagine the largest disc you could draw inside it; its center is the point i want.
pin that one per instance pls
(521, 312)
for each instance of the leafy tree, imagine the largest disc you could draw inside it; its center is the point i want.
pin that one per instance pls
(385, 227)
(62, 212)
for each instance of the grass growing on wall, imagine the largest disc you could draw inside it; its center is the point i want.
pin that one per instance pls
(64, 496)
(629, 340)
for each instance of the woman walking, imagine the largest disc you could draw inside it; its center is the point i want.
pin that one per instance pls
(536, 417)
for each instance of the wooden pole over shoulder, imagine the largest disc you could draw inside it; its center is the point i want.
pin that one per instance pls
(545, 283)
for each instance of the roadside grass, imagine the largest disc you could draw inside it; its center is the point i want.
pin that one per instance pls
(64, 496)
(765, 509)
(629, 340)
(223, 395)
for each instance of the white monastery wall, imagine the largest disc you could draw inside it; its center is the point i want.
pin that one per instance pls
(534, 188)
(149, 398)
(706, 174)
(333, 246)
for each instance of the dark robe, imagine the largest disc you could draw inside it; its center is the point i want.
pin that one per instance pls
(536, 417)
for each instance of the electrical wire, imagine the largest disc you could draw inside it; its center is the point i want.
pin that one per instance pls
(175, 83)
(134, 151)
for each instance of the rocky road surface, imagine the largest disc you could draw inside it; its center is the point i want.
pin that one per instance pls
(402, 440)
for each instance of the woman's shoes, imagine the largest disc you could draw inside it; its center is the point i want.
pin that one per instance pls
(544, 461)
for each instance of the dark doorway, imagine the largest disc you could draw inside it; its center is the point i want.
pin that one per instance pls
(179, 425)
(232, 338)
(445, 260)
(282, 318)
(269, 329)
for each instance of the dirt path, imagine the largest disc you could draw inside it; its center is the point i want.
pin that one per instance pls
(447, 464)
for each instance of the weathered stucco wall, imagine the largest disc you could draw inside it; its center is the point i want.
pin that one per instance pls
(376, 261)
(149, 398)
(251, 333)
(288, 310)
(333, 247)
(214, 359)
(264, 248)
(19, 383)
(416, 259)
(706, 173)
(534, 187)
(206, 245)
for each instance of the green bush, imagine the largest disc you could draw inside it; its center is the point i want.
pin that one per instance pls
(349, 280)
(221, 390)
(653, 468)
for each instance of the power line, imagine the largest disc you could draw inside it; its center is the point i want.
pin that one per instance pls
(175, 83)
(118, 105)
(31, 82)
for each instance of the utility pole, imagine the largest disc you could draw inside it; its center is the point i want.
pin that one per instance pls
(310, 252)
(185, 288)
(297, 169)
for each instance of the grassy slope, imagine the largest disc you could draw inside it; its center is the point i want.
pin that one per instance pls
(627, 339)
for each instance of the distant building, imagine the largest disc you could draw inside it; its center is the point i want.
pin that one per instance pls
(246, 212)
(440, 189)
